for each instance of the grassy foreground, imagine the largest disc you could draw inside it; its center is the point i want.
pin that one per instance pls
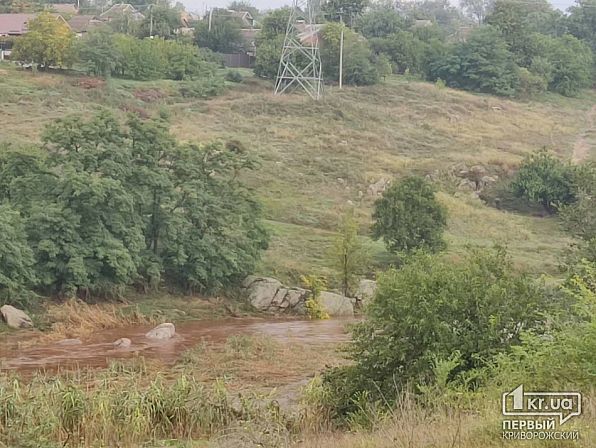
(319, 158)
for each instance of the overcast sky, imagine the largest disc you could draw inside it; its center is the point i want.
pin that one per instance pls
(202, 5)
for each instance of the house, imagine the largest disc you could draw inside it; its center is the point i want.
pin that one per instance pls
(69, 9)
(244, 17)
(83, 24)
(15, 25)
(121, 9)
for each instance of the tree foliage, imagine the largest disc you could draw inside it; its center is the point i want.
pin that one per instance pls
(224, 36)
(47, 43)
(108, 207)
(428, 311)
(544, 179)
(408, 217)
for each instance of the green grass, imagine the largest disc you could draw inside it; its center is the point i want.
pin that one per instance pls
(318, 157)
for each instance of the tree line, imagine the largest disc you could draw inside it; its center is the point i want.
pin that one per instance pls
(503, 47)
(103, 205)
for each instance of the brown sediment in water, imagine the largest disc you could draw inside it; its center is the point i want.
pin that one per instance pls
(97, 350)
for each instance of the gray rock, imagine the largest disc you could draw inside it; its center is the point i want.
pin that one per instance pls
(122, 343)
(15, 318)
(336, 304)
(162, 331)
(295, 296)
(366, 290)
(262, 291)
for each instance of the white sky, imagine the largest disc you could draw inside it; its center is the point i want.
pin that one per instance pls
(201, 6)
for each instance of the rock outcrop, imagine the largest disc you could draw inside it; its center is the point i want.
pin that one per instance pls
(15, 318)
(162, 331)
(365, 292)
(269, 295)
(336, 304)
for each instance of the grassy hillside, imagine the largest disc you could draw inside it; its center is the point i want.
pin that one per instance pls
(319, 157)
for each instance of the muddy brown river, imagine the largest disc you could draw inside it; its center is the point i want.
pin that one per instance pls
(97, 350)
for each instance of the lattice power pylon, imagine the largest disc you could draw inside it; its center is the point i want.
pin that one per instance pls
(300, 63)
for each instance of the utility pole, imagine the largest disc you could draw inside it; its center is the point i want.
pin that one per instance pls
(150, 21)
(210, 16)
(341, 54)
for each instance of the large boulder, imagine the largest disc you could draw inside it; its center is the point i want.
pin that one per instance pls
(268, 294)
(262, 292)
(336, 304)
(162, 331)
(15, 318)
(366, 291)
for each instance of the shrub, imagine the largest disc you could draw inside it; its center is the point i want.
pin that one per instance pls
(545, 180)
(314, 309)
(530, 84)
(202, 88)
(408, 217)
(234, 76)
(429, 310)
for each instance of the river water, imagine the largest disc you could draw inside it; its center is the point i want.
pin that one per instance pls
(97, 350)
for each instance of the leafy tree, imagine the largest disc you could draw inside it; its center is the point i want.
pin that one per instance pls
(428, 311)
(405, 51)
(519, 20)
(160, 20)
(381, 21)
(269, 42)
(579, 217)
(441, 12)
(358, 61)
(16, 258)
(582, 21)
(544, 179)
(48, 42)
(477, 9)
(482, 63)
(224, 36)
(98, 51)
(106, 207)
(408, 217)
(346, 11)
(572, 65)
(349, 254)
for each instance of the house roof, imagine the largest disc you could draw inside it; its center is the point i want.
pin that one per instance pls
(82, 24)
(63, 8)
(16, 24)
(120, 9)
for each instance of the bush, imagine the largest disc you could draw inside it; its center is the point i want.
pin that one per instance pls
(202, 88)
(545, 180)
(530, 84)
(315, 285)
(408, 217)
(429, 310)
(234, 76)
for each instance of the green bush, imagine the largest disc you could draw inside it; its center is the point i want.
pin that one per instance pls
(530, 84)
(426, 312)
(545, 180)
(202, 88)
(408, 217)
(234, 76)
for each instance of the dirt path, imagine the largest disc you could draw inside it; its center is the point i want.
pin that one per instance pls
(581, 149)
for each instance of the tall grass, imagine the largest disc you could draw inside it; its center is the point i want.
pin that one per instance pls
(117, 407)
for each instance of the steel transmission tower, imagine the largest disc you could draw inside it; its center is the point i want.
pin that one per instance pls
(300, 63)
